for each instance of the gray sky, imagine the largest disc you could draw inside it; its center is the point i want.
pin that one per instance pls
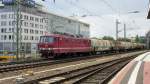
(103, 13)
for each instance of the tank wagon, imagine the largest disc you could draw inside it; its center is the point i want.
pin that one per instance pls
(56, 45)
(100, 46)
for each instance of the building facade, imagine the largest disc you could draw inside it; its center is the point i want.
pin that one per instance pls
(34, 22)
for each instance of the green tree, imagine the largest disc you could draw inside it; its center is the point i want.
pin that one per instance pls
(108, 38)
(140, 39)
(137, 39)
(124, 39)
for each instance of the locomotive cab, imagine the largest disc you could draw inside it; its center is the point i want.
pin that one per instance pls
(55, 45)
(46, 45)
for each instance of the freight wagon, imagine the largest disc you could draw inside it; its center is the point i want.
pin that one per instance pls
(55, 45)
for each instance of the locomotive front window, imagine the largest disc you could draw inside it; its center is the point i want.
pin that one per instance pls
(47, 39)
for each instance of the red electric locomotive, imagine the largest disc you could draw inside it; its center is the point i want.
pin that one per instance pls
(55, 45)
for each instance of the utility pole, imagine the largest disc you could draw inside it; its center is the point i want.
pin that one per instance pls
(124, 31)
(117, 22)
(17, 27)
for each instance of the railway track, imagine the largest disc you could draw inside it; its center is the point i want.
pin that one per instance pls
(6, 64)
(103, 75)
(20, 62)
(100, 74)
(44, 72)
(5, 67)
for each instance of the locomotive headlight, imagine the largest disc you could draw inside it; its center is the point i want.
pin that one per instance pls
(49, 48)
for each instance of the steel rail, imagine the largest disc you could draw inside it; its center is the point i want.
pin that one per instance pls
(80, 74)
(47, 63)
(38, 60)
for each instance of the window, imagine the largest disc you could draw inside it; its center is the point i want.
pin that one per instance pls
(21, 16)
(9, 29)
(36, 31)
(13, 16)
(36, 26)
(46, 39)
(2, 37)
(4, 16)
(41, 20)
(13, 23)
(46, 27)
(21, 30)
(25, 30)
(41, 32)
(10, 37)
(31, 24)
(10, 23)
(32, 18)
(12, 29)
(25, 37)
(37, 19)
(25, 17)
(46, 21)
(41, 26)
(36, 38)
(31, 38)
(3, 30)
(26, 24)
(31, 31)
(5, 37)
(9, 15)
(3, 23)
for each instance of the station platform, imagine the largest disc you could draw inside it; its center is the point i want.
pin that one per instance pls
(135, 72)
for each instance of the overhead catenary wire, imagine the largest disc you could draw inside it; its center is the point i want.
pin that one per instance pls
(90, 13)
(77, 6)
(113, 9)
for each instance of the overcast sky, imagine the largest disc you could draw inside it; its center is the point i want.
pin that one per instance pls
(101, 14)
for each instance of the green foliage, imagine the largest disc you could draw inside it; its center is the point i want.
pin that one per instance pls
(124, 39)
(94, 38)
(139, 39)
(108, 38)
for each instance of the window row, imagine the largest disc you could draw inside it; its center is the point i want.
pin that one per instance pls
(6, 37)
(36, 38)
(31, 31)
(42, 20)
(25, 17)
(26, 24)
(10, 23)
(10, 37)
(5, 30)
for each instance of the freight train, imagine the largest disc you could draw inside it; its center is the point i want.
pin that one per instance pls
(55, 45)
